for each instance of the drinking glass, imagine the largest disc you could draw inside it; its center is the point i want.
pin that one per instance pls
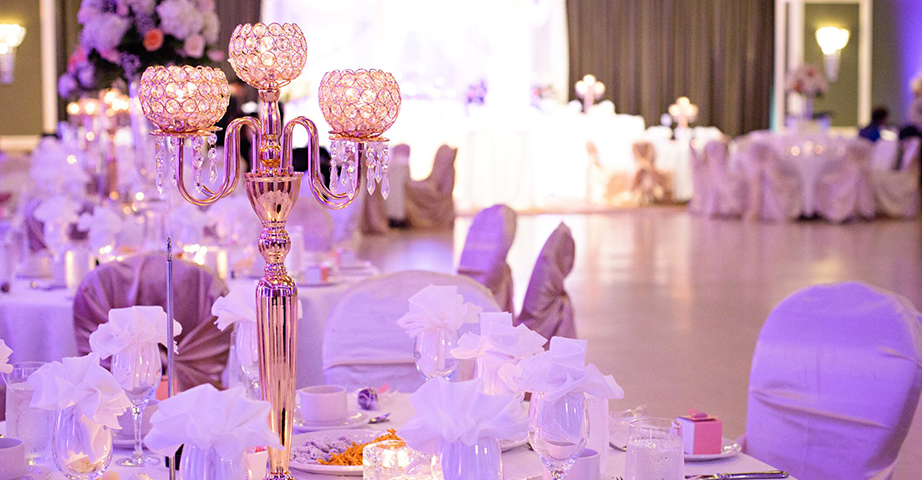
(207, 464)
(654, 450)
(82, 448)
(482, 460)
(390, 459)
(31, 425)
(433, 353)
(246, 350)
(559, 430)
(137, 370)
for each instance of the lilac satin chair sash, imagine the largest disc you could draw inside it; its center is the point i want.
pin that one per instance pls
(430, 202)
(141, 280)
(835, 381)
(485, 249)
(547, 308)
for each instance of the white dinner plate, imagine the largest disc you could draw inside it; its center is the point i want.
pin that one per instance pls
(729, 448)
(355, 419)
(359, 436)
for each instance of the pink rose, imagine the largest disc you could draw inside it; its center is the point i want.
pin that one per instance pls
(153, 39)
(194, 46)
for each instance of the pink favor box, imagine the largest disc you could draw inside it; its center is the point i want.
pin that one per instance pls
(701, 434)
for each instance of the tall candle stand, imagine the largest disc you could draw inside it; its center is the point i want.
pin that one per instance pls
(184, 103)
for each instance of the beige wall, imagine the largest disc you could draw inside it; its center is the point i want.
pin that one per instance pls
(21, 102)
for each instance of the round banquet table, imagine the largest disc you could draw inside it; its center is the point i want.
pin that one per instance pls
(39, 324)
(519, 463)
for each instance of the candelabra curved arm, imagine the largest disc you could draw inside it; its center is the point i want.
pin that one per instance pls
(320, 191)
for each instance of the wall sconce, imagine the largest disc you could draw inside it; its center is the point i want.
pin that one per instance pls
(11, 36)
(832, 40)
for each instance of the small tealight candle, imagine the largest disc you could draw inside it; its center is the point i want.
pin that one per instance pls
(388, 460)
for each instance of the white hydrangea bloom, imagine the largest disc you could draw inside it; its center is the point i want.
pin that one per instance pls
(103, 31)
(180, 18)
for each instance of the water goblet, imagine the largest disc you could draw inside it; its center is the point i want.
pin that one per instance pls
(82, 448)
(138, 371)
(31, 425)
(559, 430)
(654, 450)
(433, 353)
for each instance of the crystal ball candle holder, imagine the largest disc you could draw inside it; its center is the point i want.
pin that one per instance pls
(267, 57)
(359, 105)
(184, 102)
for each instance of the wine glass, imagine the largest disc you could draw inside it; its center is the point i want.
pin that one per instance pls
(433, 353)
(559, 430)
(137, 370)
(246, 350)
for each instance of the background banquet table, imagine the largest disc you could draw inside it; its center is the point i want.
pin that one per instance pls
(39, 324)
(519, 463)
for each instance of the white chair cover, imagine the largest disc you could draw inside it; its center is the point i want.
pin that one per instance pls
(886, 154)
(649, 184)
(704, 135)
(374, 215)
(315, 220)
(835, 382)
(658, 133)
(774, 192)
(727, 196)
(484, 256)
(896, 193)
(701, 179)
(845, 192)
(430, 202)
(547, 308)
(399, 175)
(362, 344)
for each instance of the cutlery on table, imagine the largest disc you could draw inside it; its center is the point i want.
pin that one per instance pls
(740, 476)
(379, 419)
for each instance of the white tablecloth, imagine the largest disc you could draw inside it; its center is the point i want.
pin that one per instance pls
(39, 324)
(518, 464)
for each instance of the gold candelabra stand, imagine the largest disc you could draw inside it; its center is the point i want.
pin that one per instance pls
(185, 102)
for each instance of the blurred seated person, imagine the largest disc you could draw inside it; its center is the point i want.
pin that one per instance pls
(878, 122)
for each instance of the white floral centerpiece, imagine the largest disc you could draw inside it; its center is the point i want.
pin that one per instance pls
(120, 38)
(809, 82)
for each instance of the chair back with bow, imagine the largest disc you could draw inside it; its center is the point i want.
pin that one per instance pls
(362, 344)
(141, 280)
(547, 308)
(429, 202)
(835, 382)
(484, 256)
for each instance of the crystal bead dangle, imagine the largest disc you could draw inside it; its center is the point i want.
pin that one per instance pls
(198, 158)
(159, 147)
(370, 163)
(212, 158)
(174, 143)
(384, 164)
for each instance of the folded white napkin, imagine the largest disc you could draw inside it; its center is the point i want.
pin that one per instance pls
(58, 210)
(438, 307)
(79, 382)
(5, 353)
(499, 347)
(239, 306)
(460, 412)
(130, 326)
(563, 369)
(226, 421)
(102, 225)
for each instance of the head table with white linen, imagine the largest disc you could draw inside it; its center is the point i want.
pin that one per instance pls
(519, 463)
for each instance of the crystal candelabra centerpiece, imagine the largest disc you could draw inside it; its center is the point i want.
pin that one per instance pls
(683, 111)
(589, 89)
(360, 105)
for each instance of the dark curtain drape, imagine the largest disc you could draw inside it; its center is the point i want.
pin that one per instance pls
(719, 53)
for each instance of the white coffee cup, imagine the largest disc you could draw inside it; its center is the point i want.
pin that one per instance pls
(322, 404)
(586, 467)
(12, 459)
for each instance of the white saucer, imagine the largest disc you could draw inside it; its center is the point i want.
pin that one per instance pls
(729, 448)
(355, 419)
